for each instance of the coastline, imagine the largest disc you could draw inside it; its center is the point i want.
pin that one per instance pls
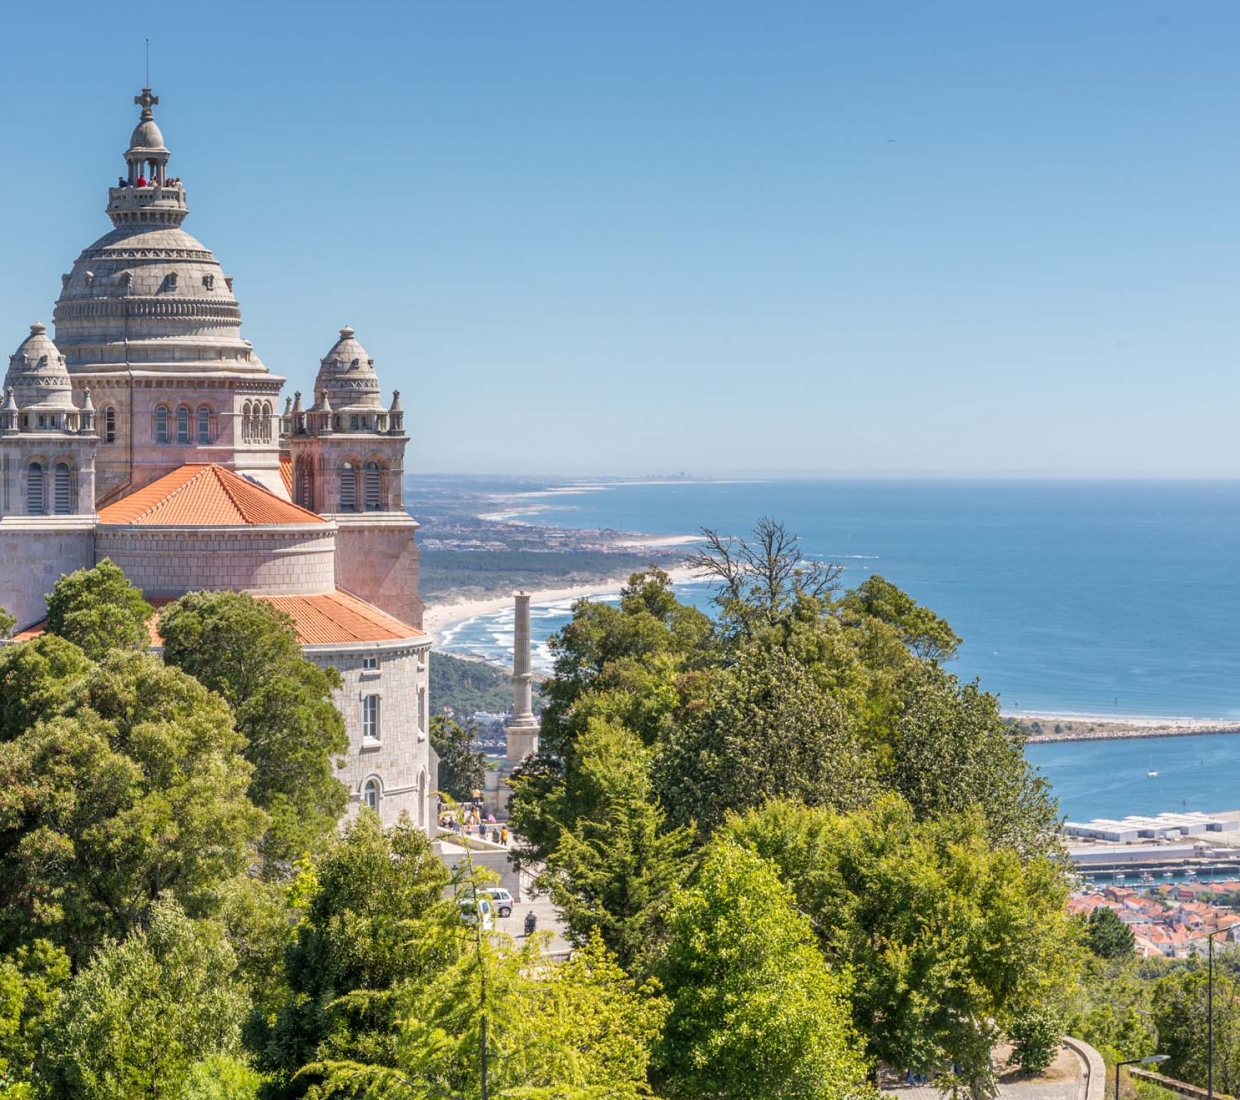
(441, 616)
(1047, 728)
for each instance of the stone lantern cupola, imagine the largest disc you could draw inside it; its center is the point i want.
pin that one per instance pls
(41, 389)
(47, 443)
(347, 449)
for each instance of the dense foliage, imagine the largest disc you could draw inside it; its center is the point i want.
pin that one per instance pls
(787, 844)
(246, 651)
(465, 687)
(462, 769)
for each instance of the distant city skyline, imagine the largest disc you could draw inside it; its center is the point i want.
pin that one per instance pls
(807, 239)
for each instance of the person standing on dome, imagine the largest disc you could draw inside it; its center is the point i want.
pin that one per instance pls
(142, 181)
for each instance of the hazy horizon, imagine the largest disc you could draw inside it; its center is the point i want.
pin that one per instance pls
(956, 240)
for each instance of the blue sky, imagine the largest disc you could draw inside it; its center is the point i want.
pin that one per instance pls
(586, 238)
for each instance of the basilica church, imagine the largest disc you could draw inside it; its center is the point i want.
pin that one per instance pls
(146, 430)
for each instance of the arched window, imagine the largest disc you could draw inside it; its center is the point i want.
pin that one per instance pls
(246, 415)
(348, 487)
(353, 423)
(161, 425)
(62, 497)
(109, 425)
(266, 432)
(36, 490)
(204, 424)
(182, 424)
(372, 487)
(305, 483)
(371, 794)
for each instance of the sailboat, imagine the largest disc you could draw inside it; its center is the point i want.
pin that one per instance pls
(1150, 771)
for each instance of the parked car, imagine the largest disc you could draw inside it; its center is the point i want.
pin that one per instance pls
(471, 909)
(501, 899)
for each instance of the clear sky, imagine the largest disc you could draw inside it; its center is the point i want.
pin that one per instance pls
(642, 237)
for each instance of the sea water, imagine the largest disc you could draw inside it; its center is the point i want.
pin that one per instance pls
(1083, 597)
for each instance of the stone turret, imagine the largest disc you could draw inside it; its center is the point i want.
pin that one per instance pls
(348, 455)
(47, 443)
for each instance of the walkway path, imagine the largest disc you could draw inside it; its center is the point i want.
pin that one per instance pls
(1062, 1081)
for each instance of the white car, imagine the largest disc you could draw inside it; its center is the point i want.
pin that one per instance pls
(500, 898)
(470, 911)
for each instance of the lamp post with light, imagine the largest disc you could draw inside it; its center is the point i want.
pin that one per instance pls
(1137, 1062)
(1210, 1012)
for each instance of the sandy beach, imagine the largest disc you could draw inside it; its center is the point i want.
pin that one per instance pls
(438, 617)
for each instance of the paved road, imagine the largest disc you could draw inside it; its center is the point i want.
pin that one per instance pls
(1062, 1081)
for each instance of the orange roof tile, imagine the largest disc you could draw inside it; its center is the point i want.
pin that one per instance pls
(340, 617)
(286, 474)
(332, 618)
(204, 495)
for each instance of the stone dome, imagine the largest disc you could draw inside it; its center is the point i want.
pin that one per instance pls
(147, 296)
(348, 376)
(146, 135)
(37, 373)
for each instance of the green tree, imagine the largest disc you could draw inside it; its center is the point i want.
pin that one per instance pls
(99, 611)
(925, 633)
(581, 1029)
(613, 873)
(754, 1007)
(765, 730)
(1107, 936)
(1181, 1012)
(37, 679)
(7, 623)
(461, 770)
(626, 664)
(354, 944)
(136, 789)
(949, 940)
(954, 753)
(247, 651)
(139, 1017)
(31, 982)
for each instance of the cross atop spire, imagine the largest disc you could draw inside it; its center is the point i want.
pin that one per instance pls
(146, 101)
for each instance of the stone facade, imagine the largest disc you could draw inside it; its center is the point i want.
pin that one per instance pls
(389, 754)
(148, 373)
(168, 561)
(35, 553)
(377, 559)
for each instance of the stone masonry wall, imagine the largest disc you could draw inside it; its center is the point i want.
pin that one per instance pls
(173, 561)
(34, 555)
(399, 759)
(377, 560)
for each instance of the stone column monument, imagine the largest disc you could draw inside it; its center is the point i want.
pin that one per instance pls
(522, 731)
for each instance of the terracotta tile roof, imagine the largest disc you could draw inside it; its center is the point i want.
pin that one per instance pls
(332, 618)
(340, 617)
(286, 474)
(204, 495)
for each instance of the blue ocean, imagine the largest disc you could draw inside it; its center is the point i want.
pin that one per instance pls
(1073, 597)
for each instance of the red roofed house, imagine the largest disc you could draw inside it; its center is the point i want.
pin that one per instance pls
(147, 432)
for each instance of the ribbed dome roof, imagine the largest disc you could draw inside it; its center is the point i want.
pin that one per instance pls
(347, 373)
(37, 372)
(146, 135)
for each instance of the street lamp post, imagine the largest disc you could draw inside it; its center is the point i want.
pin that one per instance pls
(1210, 1010)
(1137, 1062)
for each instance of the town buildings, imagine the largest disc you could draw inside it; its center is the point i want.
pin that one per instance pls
(148, 431)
